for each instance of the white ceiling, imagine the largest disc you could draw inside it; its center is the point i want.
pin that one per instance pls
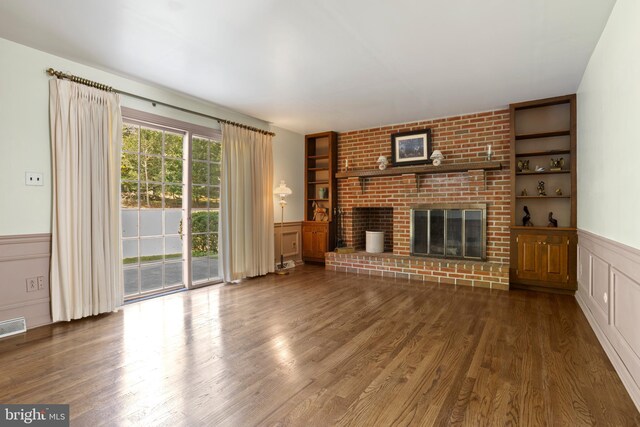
(327, 64)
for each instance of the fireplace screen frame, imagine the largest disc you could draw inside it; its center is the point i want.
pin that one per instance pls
(482, 207)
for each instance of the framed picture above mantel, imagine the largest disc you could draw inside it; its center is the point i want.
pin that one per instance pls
(411, 148)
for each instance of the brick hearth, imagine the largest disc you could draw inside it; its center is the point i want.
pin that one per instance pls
(450, 272)
(462, 139)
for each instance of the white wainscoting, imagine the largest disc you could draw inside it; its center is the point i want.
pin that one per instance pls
(609, 295)
(21, 257)
(291, 242)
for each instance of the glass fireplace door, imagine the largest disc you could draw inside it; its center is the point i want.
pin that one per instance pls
(446, 232)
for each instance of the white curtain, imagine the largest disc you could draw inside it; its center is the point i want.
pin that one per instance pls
(246, 204)
(86, 136)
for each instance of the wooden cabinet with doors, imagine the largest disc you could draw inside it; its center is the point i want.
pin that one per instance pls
(319, 227)
(544, 258)
(315, 241)
(543, 181)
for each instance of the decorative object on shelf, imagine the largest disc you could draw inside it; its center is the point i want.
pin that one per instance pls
(524, 192)
(411, 148)
(558, 192)
(541, 191)
(552, 221)
(556, 164)
(437, 157)
(382, 163)
(523, 165)
(323, 192)
(489, 153)
(540, 169)
(526, 219)
(319, 213)
(282, 191)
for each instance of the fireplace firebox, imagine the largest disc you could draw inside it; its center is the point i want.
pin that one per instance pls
(449, 231)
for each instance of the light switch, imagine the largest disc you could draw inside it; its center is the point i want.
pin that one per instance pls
(33, 178)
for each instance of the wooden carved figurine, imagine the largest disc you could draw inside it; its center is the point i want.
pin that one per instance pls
(526, 220)
(541, 191)
(552, 221)
(524, 192)
(556, 164)
(319, 213)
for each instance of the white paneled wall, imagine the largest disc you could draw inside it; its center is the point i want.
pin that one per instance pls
(609, 294)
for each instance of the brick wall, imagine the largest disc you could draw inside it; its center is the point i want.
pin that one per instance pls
(462, 139)
(371, 219)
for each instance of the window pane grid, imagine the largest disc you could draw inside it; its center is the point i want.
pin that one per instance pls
(147, 191)
(205, 206)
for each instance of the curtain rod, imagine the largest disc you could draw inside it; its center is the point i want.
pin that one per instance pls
(76, 79)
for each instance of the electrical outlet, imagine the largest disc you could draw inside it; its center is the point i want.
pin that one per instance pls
(32, 284)
(33, 178)
(40, 283)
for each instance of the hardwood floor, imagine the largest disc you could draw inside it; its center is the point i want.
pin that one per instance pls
(324, 348)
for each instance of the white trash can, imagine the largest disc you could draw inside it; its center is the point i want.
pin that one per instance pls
(375, 241)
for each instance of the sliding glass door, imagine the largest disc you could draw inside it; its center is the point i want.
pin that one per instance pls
(205, 208)
(152, 200)
(170, 178)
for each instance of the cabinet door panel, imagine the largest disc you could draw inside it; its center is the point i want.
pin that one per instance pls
(320, 243)
(554, 259)
(307, 243)
(528, 257)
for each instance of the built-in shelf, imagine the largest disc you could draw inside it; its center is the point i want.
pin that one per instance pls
(543, 135)
(543, 153)
(543, 257)
(543, 172)
(362, 175)
(543, 197)
(320, 166)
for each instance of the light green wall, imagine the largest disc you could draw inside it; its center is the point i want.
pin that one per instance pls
(288, 164)
(24, 126)
(609, 131)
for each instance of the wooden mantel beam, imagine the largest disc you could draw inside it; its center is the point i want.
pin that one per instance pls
(419, 170)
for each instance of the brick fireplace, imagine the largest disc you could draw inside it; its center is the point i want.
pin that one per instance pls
(385, 203)
(371, 219)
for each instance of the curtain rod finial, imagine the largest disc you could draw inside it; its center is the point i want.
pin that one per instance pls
(50, 71)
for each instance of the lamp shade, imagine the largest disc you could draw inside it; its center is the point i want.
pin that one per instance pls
(282, 190)
(437, 154)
